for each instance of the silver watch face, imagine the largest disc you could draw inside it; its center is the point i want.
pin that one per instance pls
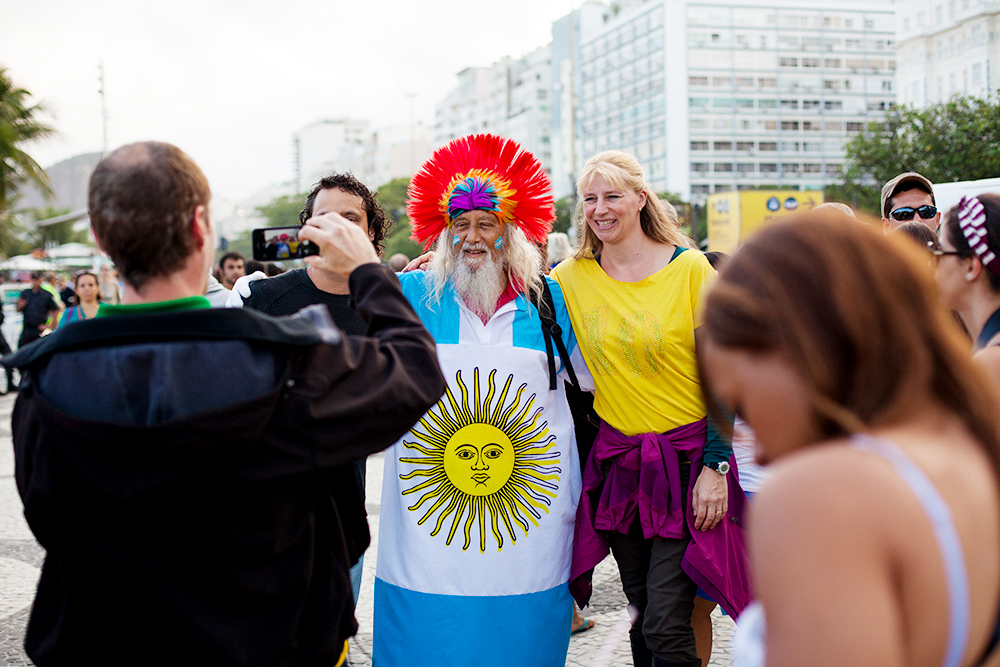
(723, 468)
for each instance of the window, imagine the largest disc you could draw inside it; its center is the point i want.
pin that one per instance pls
(789, 104)
(723, 166)
(745, 168)
(977, 73)
(768, 168)
(832, 62)
(833, 105)
(699, 145)
(701, 189)
(699, 167)
(810, 126)
(789, 62)
(812, 147)
(834, 169)
(722, 81)
(744, 145)
(767, 104)
(723, 145)
(744, 81)
(768, 146)
(887, 86)
(810, 62)
(789, 168)
(812, 168)
(854, 64)
(790, 146)
(722, 103)
(789, 125)
(834, 126)
(831, 84)
(767, 83)
(698, 81)
(699, 102)
(876, 106)
(855, 127)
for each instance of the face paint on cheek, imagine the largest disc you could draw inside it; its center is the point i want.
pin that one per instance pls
(455, 241)
(498, 243)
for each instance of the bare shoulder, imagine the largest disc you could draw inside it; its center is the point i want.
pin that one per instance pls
(989, 360)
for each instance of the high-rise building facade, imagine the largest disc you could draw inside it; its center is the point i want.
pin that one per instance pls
(512, 98)
(328, 145)
(946, 48)
(717, 96)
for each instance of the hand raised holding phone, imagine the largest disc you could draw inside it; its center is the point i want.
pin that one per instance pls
(343, 246)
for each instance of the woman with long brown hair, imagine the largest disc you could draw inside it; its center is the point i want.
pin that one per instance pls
(876, 541)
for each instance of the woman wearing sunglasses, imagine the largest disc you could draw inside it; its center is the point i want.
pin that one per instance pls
(968, 273)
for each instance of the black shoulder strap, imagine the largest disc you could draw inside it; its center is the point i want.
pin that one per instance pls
(551, 331)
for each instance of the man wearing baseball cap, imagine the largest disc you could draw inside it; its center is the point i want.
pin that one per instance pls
(909, 196)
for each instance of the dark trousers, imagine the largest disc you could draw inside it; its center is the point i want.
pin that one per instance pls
(659, 593)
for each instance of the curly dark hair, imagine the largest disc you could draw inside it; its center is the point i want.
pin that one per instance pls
(378, 222)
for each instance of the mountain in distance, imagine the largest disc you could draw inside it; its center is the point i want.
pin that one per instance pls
(69, 178)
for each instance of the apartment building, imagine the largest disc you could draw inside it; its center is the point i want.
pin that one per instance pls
(946, 48)
(717, 96)
(511, 98)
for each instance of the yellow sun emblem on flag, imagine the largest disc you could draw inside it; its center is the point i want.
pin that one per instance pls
(488, 461)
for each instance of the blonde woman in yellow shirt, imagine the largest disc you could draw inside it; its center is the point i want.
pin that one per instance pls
(633, 290)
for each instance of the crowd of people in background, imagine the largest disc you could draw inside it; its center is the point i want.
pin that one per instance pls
(804, 433)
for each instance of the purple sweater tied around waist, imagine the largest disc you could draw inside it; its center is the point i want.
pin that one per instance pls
(639, 476)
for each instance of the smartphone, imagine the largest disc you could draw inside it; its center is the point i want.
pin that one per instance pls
(273, 244)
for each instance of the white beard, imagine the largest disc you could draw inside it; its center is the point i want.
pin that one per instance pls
(480, 287)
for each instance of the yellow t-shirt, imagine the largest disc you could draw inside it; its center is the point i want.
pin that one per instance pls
(638, 340)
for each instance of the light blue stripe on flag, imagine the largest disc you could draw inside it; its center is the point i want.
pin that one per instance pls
(415, 629)
(442, 317)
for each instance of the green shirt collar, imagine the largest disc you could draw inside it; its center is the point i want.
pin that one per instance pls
(187, 303)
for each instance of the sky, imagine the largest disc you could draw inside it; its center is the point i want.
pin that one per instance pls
(230, 82)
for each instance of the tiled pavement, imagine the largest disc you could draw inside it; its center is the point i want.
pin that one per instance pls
(20, 559)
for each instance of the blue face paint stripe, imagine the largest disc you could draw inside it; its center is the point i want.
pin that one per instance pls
(455, 240)
(498, 243)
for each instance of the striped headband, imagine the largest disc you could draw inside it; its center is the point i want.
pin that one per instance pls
(972, 220)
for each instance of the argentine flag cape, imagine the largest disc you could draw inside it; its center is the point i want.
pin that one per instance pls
(479, 498)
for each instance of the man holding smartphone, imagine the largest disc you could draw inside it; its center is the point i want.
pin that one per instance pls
(292, 291)
(184, 523)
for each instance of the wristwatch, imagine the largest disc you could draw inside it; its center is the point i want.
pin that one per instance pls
(721, 467)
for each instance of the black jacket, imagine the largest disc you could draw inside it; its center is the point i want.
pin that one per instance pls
(184, 472)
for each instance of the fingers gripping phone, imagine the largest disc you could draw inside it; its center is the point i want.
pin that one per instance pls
(272, 244)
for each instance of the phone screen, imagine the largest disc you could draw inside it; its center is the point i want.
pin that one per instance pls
(273, 244)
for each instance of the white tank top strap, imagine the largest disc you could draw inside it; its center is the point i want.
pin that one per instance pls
(749, 642)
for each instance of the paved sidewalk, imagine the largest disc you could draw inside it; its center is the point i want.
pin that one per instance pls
(21, 557)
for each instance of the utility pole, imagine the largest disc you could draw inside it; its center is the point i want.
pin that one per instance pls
(104, 112)
(413, 150)
(572, 105)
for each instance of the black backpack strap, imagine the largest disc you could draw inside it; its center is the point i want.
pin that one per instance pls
(551, 331)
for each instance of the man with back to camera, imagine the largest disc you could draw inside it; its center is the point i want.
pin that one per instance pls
(292, 291)
(909, 196)
(38, 307)
(232, 266)
(184, 524)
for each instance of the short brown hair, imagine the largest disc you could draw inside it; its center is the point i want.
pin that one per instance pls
(142, 198)
(857, 315)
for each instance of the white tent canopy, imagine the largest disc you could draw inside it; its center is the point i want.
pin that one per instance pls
(25, 263)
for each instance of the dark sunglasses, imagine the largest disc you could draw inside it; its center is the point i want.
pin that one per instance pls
(904, 213)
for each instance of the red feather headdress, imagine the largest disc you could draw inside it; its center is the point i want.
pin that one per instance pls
(485, 172)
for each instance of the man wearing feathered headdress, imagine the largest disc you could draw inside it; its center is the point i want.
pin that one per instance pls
(479, 498)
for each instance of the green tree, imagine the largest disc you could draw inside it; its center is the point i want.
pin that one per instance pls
(957, 140)
(19, 124)
(283, 211)
(565, 216)
(58, 233)
(392, 196)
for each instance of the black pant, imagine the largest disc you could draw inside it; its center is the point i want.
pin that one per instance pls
(659, 593)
